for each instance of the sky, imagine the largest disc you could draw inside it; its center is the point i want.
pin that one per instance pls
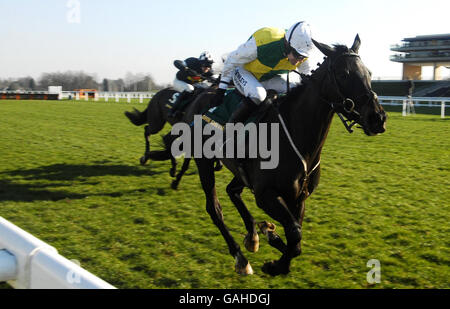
(109, 38)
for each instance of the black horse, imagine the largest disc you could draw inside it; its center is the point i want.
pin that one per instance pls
(156, 115)
(342, 85)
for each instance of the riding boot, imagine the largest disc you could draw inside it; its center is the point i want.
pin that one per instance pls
(176, 106)
(241, 114)
(244, 110)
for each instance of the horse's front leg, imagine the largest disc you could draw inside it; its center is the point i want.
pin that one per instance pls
(270, 201)
(299, 214)
(207, 179)
(234, 190)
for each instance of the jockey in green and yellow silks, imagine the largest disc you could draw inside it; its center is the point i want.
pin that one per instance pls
(263, 62)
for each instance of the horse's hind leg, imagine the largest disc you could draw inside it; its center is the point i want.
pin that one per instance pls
(268, 229)
(206, 173)
(275, 207)
(183, 170)
(168, 139)
(143, 160)
(234, 190)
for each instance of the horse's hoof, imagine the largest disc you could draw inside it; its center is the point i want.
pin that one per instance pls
(266, 227)
(275, 268)
(251, 243)
(244, 270)
(174, 185)
(143, 160)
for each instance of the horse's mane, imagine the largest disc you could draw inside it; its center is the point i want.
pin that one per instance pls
(307, 79)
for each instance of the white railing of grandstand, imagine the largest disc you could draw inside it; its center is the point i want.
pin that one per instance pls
(108, 96)
(409, 102)
(29, 263)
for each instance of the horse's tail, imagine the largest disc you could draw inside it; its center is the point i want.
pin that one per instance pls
(136, 117)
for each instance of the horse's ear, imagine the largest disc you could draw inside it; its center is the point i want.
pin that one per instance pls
(324, 48)
(356, 44)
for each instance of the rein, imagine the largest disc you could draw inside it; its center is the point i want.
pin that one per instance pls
(347, 104)
(304, 187)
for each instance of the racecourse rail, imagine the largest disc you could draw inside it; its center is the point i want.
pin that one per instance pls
(406, 102)
(410, 102)
(29, 263)
(113, 96)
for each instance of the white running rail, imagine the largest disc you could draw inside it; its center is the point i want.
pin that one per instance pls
(107, 96)
(29, 263)
(410, 102)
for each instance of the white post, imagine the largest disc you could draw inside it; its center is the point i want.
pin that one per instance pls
(443, 109)
(95, 96)
(117, 97)
(128, 98)
(86, 96)
(106, 97)
(141, 99)
(77, 96)
(404, 108)
(37, 265)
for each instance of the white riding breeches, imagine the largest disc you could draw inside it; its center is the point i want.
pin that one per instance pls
(181, 86)
(250, 87)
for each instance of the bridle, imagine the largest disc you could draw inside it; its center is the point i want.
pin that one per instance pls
(345, 104)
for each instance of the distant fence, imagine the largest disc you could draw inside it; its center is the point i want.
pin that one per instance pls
(408, 103)
(29, 263)
(28, 95)
(107, 96)
(76, 95)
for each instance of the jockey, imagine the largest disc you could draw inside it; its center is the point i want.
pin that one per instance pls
(259, 63)
(191, 75)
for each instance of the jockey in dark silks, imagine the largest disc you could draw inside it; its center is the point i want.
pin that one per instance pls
(192, 75)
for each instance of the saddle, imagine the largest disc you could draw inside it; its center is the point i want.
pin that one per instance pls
(218, 117)
(187, 99)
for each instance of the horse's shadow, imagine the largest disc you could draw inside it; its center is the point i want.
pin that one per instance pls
(63, 172)
(11, 190)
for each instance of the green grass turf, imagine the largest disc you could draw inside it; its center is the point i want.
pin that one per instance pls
(69, 174)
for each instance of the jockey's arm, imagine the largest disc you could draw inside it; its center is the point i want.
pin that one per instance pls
(185, 68)
(245, 53)
(305, 67)
(180, 65)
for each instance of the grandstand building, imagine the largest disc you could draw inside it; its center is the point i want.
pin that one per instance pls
(424, 50)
